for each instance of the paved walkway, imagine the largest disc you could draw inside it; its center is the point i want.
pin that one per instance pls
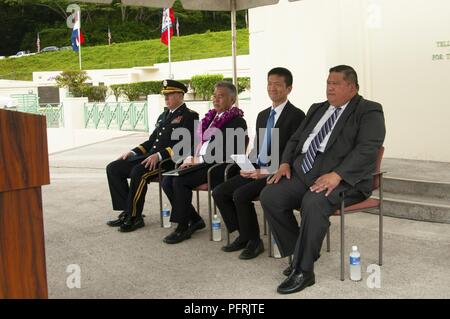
(139, 265)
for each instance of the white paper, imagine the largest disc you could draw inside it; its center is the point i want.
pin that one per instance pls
(243, 162)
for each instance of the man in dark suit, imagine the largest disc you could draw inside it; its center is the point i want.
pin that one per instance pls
(141, 164)
(234, 198)
(218, 135)
(334, 150)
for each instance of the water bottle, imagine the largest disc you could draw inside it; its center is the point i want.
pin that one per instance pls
(275, 250)
(166, 217)
(355, 264)
(216, 230)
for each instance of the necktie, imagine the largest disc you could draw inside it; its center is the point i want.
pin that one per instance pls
(265, 149)
(310, 155)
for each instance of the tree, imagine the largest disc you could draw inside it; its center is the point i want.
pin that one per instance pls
(74, 81)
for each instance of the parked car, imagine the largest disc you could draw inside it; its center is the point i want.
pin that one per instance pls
(68, 48)
(19, 54)
(49, 49)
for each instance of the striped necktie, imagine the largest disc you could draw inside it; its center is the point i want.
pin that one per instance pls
(310, 155)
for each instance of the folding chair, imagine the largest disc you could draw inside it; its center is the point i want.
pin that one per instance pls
(368, 204)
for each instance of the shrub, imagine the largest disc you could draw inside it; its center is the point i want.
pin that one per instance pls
(243, 83)
(203, 85)
(95, 93)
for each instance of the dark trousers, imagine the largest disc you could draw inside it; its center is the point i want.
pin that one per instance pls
(304, 242)
(234, 198)
(129, 198)
(179, 191)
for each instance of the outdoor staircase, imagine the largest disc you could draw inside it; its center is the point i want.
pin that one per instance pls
(422, 195)
(418, 200)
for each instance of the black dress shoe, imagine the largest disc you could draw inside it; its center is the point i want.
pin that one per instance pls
(177, 236)
(119, 221)
(236, 245)
(297, 281)
(131, 224)
(252, 250)
(288, 270)
(199, 224)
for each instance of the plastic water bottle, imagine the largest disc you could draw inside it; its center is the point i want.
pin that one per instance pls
(355, 264)
(166, 217)
(275, 250)
(216, 230)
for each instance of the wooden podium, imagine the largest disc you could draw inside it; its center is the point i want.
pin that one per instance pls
(23, 170)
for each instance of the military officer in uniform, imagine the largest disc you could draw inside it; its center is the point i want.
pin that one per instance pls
(141, 163)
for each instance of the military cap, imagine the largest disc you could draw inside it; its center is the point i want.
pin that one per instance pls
(171, 86)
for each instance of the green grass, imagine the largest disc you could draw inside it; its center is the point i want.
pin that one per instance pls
(125, 55)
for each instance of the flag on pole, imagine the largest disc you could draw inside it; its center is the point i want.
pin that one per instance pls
(38, 43)
(75, 39)
(167, 23)
(178, 28)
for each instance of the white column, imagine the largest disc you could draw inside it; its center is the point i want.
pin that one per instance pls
(155, 106)
(74, 112)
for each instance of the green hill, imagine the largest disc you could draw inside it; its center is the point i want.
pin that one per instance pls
(124, 55)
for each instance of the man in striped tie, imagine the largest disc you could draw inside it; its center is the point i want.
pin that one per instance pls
(334, 150)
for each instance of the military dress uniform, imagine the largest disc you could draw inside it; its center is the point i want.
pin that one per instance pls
(130, 198)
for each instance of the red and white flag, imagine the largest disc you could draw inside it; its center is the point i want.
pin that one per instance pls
(167, 24)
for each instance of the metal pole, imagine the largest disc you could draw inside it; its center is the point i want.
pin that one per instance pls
(79, 38)
(233, 44)
(168, 41)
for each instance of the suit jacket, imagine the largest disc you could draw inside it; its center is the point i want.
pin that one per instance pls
(353, 145)
(231, 144)
(287, 123)
(160, 140)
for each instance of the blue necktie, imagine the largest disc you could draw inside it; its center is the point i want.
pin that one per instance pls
(264, 153)
(310, 155)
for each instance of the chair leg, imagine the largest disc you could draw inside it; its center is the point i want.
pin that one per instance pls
(270, 243)
(328, 239)
(160, 205)
(342, 241)
(380, 252)
(210, 215)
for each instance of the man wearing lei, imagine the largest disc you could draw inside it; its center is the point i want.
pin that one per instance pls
(222, 132)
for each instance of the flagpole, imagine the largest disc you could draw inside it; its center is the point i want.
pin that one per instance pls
(168, 37)
(233, 45)
(79, 38)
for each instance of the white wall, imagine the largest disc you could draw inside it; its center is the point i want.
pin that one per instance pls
(158, 72)
(9, 87)
(389, 43)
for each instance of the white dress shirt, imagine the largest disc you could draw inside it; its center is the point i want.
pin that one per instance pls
(278, 111)
(319, 125)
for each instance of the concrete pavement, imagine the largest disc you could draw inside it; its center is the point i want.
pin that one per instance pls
(139, 265)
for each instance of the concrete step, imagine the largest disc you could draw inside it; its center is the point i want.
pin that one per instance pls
(429, 190)
(417, 207)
